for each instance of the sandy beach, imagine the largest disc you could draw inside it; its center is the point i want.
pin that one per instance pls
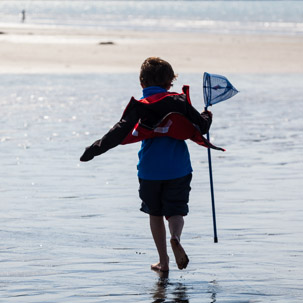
(27, 49)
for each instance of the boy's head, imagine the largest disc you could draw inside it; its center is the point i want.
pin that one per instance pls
(156, 72)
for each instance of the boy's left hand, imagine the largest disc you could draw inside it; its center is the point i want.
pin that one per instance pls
(210, 114)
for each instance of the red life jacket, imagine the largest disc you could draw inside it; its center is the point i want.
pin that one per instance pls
(174, 124)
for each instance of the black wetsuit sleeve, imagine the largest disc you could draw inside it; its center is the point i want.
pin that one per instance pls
(203, 120)
(113, 138)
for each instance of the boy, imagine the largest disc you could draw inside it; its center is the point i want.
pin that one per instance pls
(162, 120)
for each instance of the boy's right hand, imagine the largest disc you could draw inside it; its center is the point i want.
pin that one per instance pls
(87, 155)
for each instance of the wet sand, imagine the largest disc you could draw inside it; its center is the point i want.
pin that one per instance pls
(73, 232)
(56, 50)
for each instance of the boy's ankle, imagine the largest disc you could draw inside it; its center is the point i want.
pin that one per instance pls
(164, 260)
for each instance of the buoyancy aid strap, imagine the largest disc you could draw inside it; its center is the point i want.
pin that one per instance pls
(129, 105)
(185, 90)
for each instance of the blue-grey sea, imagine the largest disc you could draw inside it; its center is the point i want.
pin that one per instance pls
(72, 232)
(229, 16)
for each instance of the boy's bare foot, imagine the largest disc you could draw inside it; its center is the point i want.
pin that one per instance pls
(160, 267)
(180, 255)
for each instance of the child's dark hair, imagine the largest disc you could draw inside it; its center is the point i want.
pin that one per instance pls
(156, 72)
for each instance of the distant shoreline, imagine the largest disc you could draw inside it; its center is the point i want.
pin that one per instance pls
(57, 50)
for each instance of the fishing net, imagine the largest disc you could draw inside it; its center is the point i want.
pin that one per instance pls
(216, 88)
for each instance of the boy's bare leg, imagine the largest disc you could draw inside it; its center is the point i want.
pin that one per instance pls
(157, 227)
(176, 224)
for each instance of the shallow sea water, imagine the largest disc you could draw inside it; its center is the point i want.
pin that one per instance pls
(234, 17)
(73, 232)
